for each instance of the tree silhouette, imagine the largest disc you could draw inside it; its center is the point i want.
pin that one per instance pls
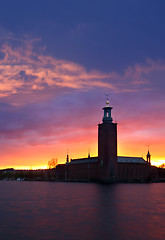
(162, 165)
(52, 163)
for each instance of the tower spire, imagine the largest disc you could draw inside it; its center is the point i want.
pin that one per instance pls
(107, 112)
(67, 157)
(89, 153)
(148, 157)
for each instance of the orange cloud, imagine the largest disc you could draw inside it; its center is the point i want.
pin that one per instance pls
(22, 70)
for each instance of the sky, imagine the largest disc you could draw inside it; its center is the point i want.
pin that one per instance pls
(58, 59)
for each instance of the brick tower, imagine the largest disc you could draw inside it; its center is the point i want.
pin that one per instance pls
(107, 147)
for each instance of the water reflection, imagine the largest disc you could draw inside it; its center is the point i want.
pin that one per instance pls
(44, 210)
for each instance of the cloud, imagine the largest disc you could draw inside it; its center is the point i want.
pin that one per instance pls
(29, 80)
(26, 70)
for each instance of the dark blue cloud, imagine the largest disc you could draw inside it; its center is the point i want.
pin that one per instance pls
(105, 35)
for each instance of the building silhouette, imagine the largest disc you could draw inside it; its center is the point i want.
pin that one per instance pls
(107, 167)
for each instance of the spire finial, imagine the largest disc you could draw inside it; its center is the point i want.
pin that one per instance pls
(148, 150)
(89, 153)
(107, 96)
(67, 157)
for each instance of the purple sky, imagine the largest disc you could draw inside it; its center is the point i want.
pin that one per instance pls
(58, 59)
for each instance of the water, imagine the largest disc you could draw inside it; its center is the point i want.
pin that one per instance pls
(81, 211)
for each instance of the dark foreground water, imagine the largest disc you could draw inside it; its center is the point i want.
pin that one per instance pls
(81, 211)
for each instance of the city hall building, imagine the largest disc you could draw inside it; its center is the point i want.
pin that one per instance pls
(107, 167)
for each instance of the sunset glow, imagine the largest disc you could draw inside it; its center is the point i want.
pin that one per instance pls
(49, 106)
(55, 69)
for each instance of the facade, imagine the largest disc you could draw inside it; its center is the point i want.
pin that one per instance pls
(107, 167)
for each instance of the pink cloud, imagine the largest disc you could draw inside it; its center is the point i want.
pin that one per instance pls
(23, 71)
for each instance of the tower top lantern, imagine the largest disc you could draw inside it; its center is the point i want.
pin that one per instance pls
(107, 113)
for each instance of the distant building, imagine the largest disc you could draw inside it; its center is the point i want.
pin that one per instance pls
(107, 167)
